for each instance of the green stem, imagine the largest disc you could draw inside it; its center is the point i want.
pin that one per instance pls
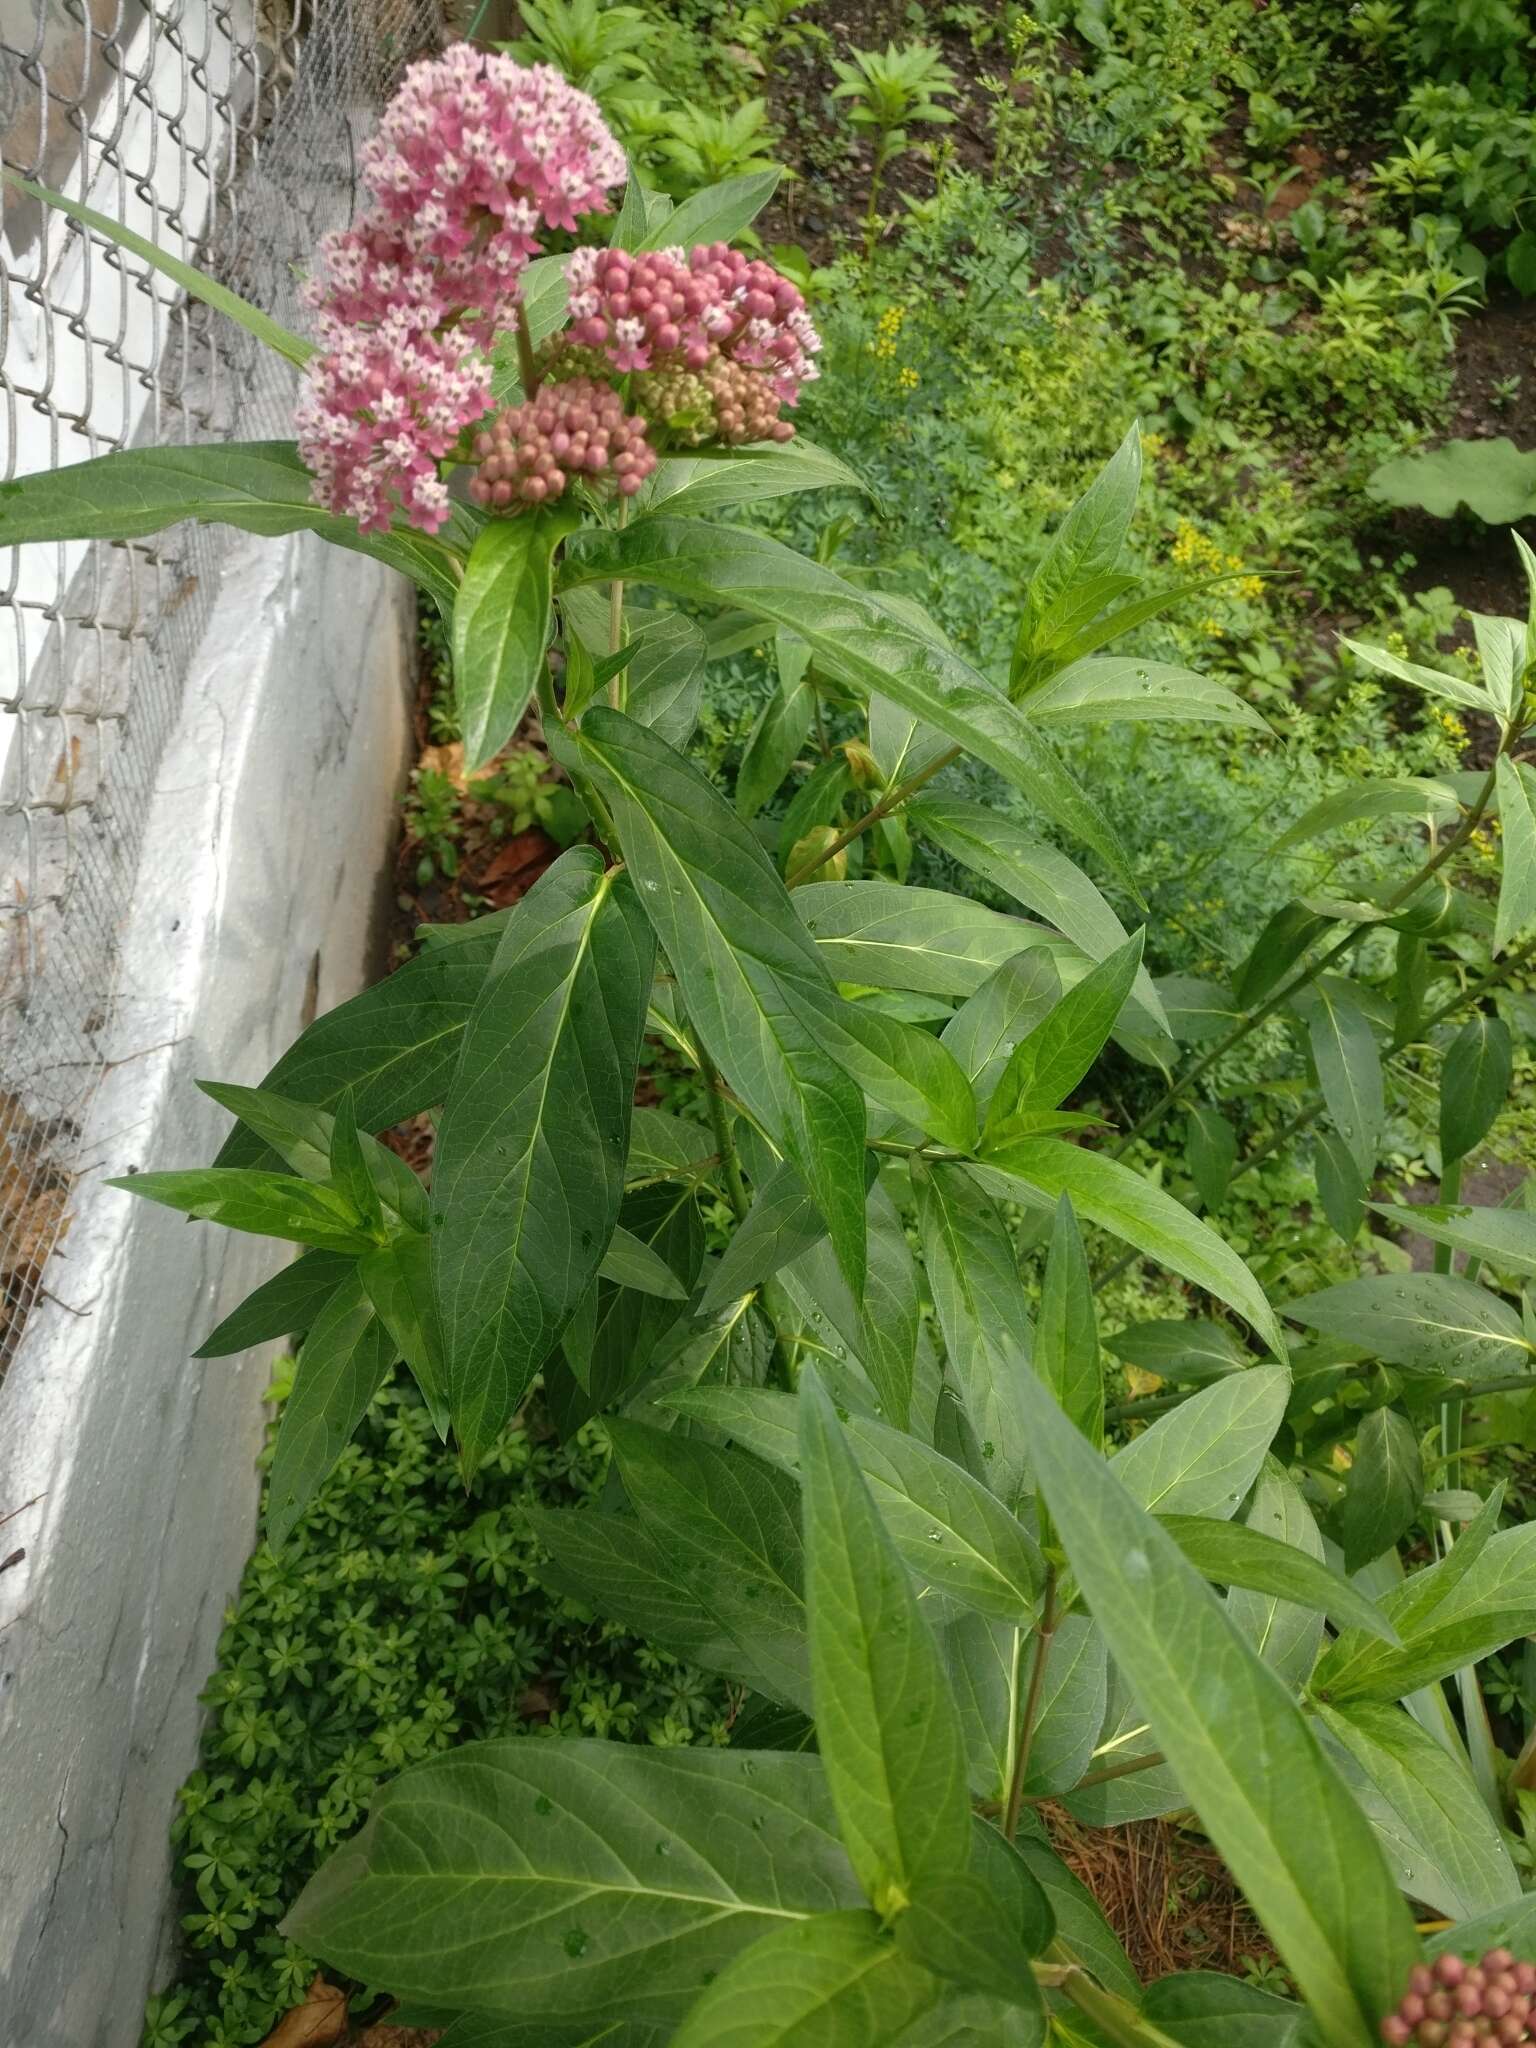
(1450, 1411)
(725, 1144)
(1127, 1769)
(891, 801)
(1043, 1640)
(1180, 1087)
(527, 363)
(1117, 2021)
(617, 689)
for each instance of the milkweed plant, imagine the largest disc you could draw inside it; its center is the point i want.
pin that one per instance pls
(861, 1471)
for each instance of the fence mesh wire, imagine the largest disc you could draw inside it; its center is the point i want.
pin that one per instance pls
(226, 131)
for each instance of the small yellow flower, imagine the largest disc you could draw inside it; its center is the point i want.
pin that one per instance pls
(908, 378)
(1213, 628)
(1251, 587)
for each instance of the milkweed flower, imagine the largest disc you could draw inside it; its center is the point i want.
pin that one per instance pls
(474, 157)
(530, 452)
(1455, 2004)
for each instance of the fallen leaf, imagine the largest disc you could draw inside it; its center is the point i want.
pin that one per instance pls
(320, 2022)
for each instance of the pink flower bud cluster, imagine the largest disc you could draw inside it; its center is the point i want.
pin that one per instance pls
(724, 402)
(1455, 2004)
(474, 155)
(530, 452)
(669, 310)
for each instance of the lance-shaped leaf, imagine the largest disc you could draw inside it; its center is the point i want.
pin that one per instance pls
(887, 935)
(747, 971)
(257, 486)
(1348, 1066)
(629, 1326)
(1233, 1554)
(557, 1880)
(720, 480)
(341, 1367)
(716, 213)
(1285, 1633)
(1517, 818)
(949, 1530)
(1384, 1487)
(529, 1168)
(1474, 1084)
(965, 1930)
(1113, 686)
(1210, 1153)
(1426, 1808)
(1032, 872)
(1290, 1833)
(780, 728)
(973, 1273)
(1045, 1067)
(1120, 1201)
(665, 1147)
(501, 626)
(266, 1204)
(782, 1223)
(304, 1137)
(855, 637)
(1287, 936)
(1180, 1351)
(1425, 1322)
(1448, 1616)
(630, 1262)
(395, 1045)
(838, 1981)
(988, 1025)
(1203, 1457)
(397, 1279)
(1209, 2009)
(1506, 1238)
(886, 1724)
(1387, 796)
(1083, 551)
(289, 1301)
(1067, 1333)
(1073, 1695)
(1196, 1010)
(902, 1067)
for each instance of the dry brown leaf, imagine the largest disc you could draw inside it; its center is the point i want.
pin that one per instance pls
(320, 2022)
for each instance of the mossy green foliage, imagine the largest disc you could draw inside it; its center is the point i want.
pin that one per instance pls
(401, 1617)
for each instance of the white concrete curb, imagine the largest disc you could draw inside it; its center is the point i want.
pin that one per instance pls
(258, 904)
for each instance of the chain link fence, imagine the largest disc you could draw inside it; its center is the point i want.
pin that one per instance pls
(226, 131)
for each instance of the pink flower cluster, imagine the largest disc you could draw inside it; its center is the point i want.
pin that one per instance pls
(1455, 2004)
(530, 452)
(670, 309)
(473, 156)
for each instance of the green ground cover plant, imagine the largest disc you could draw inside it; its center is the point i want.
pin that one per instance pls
(853, 1326)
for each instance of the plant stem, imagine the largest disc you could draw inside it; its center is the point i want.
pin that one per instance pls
(1179, 1088)
(725, 1144)
(1043, 1640)
(1116, 2021)
(1125, 1769)
(617, 690)
(1450, 1411)
(527, 365)
(892, 800)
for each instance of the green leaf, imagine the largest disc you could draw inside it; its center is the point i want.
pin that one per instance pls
(728, 1526)
(1384, 1487)
(1517, 883)
(1506, 1238)
(989, 1024)
(529, 1166)
(1113, 686)
(1210, 1153)
(350, 1174)
(1070, 1714)
(1434, 1812)
(1178, 1350)
(715, 213)
(663, 1146)
(304, 1138)
(748, 974)
(664, 677)
(1047, 1065)
(1080, 1923)
(525, 1870)
(1453, 688)
(720, 480)
(630, 1328)
(1196, 1010)
(979, 1300)
(961, 1929)
(1449, 1616)
(780, 729)
(1290, 933)
(267, 1204)
(1067, 1334)
(1284, 1633)
(398, 1282)
(1520, 263)
(1202, 1457)
(256, 486)
(1425, 1322)
(289, 1301)
(1385, 796)
(782, 1223)
(838, 1981)
(887, 935)
(1291, 1835)
(502, 620)
(1120, 1201)
(1474, 1084)
(1232, 1554)
(1084, 548)
(903, 1068)
(948, 1528)
(630, 1262)
(342, 1365)
(395, 1045)
(855, 637)
(1340, 1184)
(1493, 478)
(1030, 871)
(1209, 2009)
(194, 282)
(1512, 1926)
(1348, 1066)
(886, 1725)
